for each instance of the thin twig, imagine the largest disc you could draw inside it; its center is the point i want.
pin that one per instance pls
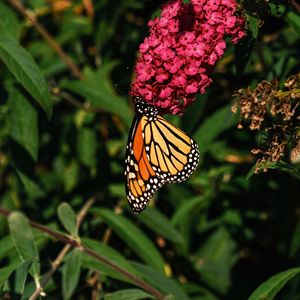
(54, 266)
(31, 17)
(39, 290)
(83, 212)
(73, 243)
(296, 5)
(72, 100)
(95, 277)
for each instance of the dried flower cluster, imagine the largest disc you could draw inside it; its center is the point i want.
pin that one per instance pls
(272, 147)
(253, 104)
(267, 103)
(184, 44)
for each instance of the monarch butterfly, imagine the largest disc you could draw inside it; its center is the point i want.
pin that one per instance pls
(157, 153)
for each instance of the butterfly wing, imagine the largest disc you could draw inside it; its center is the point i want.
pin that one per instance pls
(172, 154)
(141, 180)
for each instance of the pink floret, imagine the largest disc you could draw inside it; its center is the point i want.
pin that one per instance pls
(183, 46)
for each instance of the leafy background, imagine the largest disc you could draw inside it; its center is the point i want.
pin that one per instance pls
(63, 133)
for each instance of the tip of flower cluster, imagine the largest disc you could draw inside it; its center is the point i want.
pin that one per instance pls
(184, 44)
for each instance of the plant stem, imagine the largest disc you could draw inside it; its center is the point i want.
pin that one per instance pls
(75, 244)
(31, 17)
(95, 278)
(72, 100)
(63, 252)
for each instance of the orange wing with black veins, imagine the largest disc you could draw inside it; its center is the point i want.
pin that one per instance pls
(141, 180)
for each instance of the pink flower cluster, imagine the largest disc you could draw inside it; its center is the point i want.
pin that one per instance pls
(184, 44)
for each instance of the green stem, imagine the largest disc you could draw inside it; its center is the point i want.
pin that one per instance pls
(68, 240)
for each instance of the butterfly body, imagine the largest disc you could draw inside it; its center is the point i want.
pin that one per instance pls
(157, 153)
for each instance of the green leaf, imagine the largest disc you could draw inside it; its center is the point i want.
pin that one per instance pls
(97, 88)
(169, 297)
(5, 272)
(25, 70)
(280, 165)
(71, 176)
(295, 243)
(253, 25)
(17, 279)
(22, 236)
(71, 273)
(156, 221)
(110, 254)
(87, 146)
(67, 218)
(37, 4)
(251, 172)
(9, 25)
(215, 259)
(217, 123)
(270, 288)
(74, 28)
(22, 122)
(25, 168)
(242, 52)
(188, 207)
(128, 294)
(287, 168)
(164, 284)
(201, 292)
(6, 246)
(293, 19)
(277, 10)
(133, 237)
(116, 190)
(193, 113)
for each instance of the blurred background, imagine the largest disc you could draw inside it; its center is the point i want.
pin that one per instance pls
(218, 235)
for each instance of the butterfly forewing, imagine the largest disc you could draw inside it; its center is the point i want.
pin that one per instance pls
(141, 180)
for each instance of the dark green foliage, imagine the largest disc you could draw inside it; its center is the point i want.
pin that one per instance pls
(224, 234)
